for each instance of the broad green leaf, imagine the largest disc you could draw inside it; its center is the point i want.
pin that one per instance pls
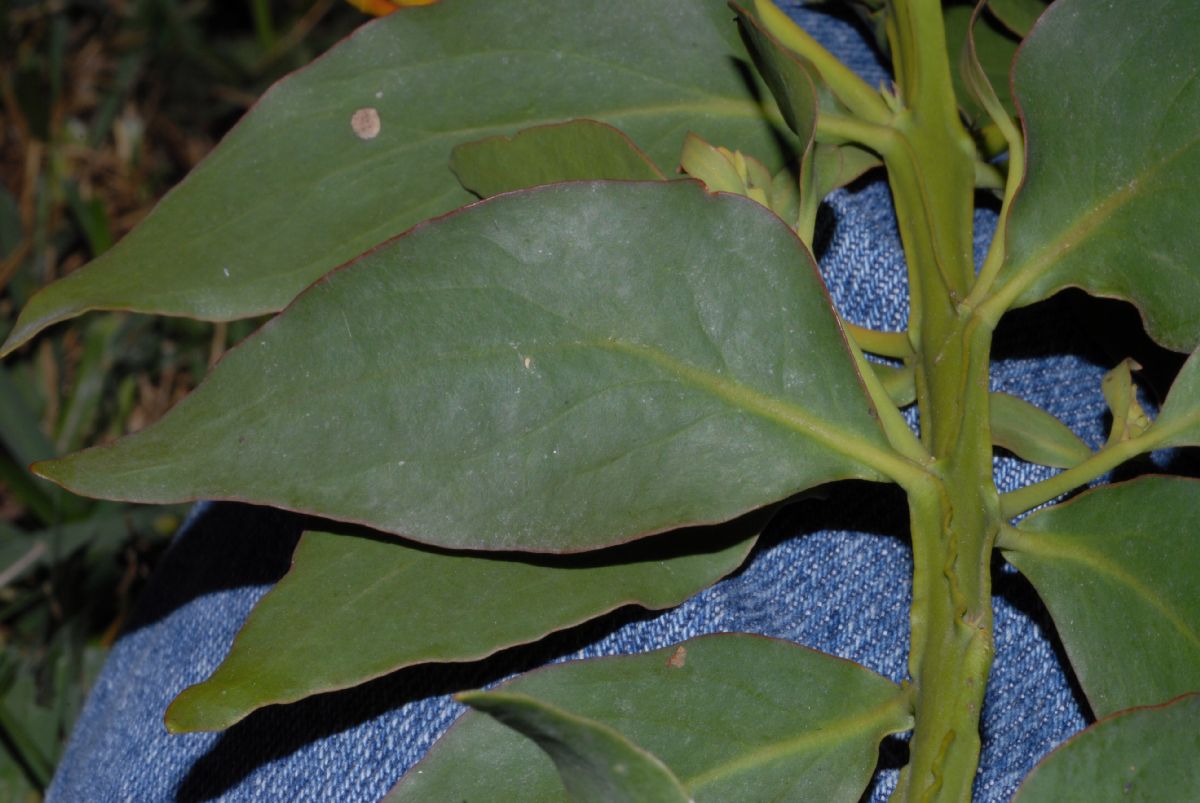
(352, 150)
(1129, 420)
(596, 764)
(1017, 15)
(734, 717)
(557, 369)
(1116, 567)
(577, 150)
(1111, 150)
(1032, 434)
(1147, 755)
(354, 608)
(1178, 422)
(994, 51)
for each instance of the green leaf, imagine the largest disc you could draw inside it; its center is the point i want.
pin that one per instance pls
(1110, 153)
(794, 84)
(734, 717)
(354, 608)
(557, 369)
(433, 77)
(1178, 422)
(994, 51)
(1032, 434)
(1017, 15)
(723, 170)
(1145, 755)
(100, 351)
(596, 764)
(790, 80)
(836, 166)
(573, 151)
(1129, 420)
(1116, 568)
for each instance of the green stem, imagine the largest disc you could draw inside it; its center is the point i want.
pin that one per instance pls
(836, 129)
(852, 91)
(1014, 503)
(953, 532)
(895, 428)
(954, 521)
(885, 344)
(1016, 168)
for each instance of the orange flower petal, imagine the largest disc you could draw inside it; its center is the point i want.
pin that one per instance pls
(381, 8)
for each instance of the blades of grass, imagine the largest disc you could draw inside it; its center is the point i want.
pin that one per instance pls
(83, 401)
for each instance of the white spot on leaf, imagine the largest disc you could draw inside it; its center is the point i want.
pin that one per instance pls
(365, 123)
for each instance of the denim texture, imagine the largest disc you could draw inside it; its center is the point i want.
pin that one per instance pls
(831, 573)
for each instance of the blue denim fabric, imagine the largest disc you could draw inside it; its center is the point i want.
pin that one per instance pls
(832, 574)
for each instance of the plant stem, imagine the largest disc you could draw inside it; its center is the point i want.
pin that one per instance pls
(953, 532)
(931, 167)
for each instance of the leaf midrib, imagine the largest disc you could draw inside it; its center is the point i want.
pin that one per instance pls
(1043, 259)
(842, 731)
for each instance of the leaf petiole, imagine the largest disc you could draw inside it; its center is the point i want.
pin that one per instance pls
(852, 91)
(1021, 500)
(885, 344)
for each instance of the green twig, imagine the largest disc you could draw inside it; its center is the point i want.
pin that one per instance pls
(1014, 503)
(852, 91)
(885, 344)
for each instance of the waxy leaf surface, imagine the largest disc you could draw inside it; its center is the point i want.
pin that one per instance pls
(555, 370)
(596, 764)
(1178, 423)
(1146, 755)
(1116, 568)
(734, 717)
(353, 149)
(577, 150)
(1111, 99)
(354, 608)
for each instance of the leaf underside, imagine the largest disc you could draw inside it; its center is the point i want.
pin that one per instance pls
(298, 167)
(1147, 754)
(596, 764)
(1111, 151)
(1178, 422)
(577, 150)
(709, 708)
(1116, 569)
(353, 608)
(552, 370)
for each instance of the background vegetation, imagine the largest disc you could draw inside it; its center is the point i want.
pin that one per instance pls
(104, 105)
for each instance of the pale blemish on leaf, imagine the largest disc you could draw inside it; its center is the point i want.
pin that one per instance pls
(365, 123)
(678, 658)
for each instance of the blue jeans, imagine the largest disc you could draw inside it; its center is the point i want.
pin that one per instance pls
(833, 574)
